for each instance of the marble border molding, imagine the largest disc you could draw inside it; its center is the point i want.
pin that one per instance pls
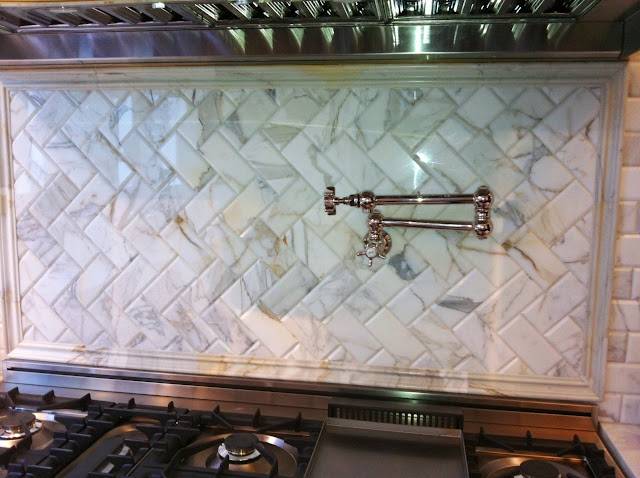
(608, 76)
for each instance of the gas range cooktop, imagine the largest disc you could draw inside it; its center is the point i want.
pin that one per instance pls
(46, 436)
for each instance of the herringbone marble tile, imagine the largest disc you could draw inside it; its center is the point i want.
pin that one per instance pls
(192, 221)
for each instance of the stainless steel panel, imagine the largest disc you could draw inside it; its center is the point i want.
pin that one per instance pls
(360, 43)
(362, 449)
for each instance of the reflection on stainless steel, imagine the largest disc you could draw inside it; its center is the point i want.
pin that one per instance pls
(361, 42)
(377, 242)
(286, 455)
(42, 427)
(511, 466)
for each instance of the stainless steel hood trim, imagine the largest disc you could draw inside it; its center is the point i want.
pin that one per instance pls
(361, 43)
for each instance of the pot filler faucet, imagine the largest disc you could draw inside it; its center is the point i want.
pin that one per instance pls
(377, 242)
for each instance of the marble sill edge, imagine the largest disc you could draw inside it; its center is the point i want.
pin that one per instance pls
(608, 76)
(623, 443)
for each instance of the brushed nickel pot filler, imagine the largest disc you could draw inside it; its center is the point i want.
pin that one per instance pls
(377, 242)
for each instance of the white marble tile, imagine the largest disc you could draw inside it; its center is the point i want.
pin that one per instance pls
(208, 203)
(359, 170)
(575, 250)
(165, 205)
(246, 291)
(439, 340)
(26, 190)
(53, 199)
(73, 240)
(532, 348)
(186, 161)
(428, 113)
(57, 277)
(248, 205)
(462, 299)
(540, 166)
(289, 290)
(126, 117)
(93, 280)
(633, 348)
(227, 162)
(31, 157)
(551, 307)
(269, 247)
(155, 327)
(46, 121)
(226, 244)
(482, 339)
(395, 338)
(255, 109)
(37, 239)
(111, 242)
(535, 258)
(623, 378)
(182, 237)
(148, 243)
(30, 269)
(210, 113)
(191, 327)
(481, 108)
(627, 251)
(581, 156)
(235, 335)
(508, 301)
(312, 250)
(456, 132)
(330, 292)
(128, 202)
(81, 322)
(491, 165)
(70, 160)
(353, 335)
(444, 164)
(490, 258)
(90, 201)
(567, 119)
(21, 109)
(617, 346)
(272, 332)
(50, 325)
(86, 118)
(209, 285)
(569, 339)
(130, 282)
(165, 116)
(333, 119)
(397, 164)
(383, 109)
(106, 159)
(312, 333)
(114, 321)
(173, 280)
(144, 159)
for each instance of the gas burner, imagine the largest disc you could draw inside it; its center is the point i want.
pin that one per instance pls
(240, 448)
(18, 424)
(522, 467)
(538, 469)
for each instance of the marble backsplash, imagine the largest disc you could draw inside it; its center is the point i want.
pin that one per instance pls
(191, 221)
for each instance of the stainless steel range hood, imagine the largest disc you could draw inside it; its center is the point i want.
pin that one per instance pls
(316, 30)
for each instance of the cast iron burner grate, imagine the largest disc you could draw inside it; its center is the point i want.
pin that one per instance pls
(594, 457)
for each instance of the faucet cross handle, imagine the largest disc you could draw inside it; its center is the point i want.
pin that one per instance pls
(377, 242)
